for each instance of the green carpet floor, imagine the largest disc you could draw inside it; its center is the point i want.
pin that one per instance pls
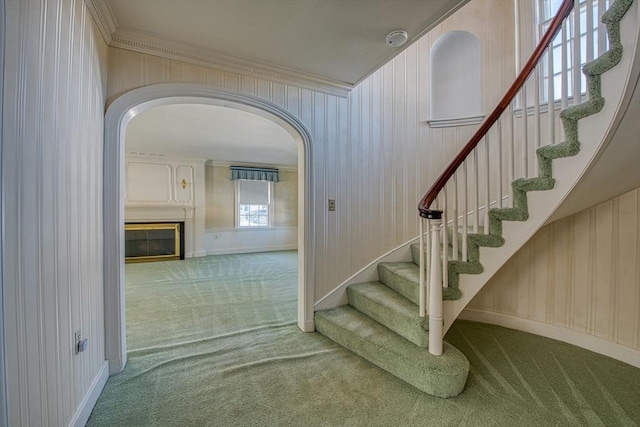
(213, 342)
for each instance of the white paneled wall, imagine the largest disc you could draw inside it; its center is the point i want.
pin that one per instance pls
(3, 383)
(373, 151)
(580, 273)
(53, 109)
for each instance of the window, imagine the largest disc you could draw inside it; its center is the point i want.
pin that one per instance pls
(253, 203)
(546, 12)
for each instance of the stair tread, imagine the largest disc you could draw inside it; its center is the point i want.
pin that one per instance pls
(379, 292)
(442, 376)
(391, 309)
(409, 278)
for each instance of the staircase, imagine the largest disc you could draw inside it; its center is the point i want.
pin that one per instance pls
(386, 321)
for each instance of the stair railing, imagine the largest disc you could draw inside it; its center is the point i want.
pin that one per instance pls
(479, 177)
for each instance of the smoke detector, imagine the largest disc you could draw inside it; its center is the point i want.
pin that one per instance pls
(397, 38)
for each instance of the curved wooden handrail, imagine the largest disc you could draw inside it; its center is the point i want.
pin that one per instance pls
(554, 27)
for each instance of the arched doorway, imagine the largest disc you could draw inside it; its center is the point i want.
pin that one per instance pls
(118, 115)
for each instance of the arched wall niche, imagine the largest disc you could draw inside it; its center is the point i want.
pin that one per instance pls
(455, 84)
(118, 115)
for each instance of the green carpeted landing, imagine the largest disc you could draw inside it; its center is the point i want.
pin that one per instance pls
(217, 345)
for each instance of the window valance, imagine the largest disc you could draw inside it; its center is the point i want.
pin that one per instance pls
(256, 174)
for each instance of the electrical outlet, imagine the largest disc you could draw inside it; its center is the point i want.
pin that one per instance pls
(332, 205)
(77, 339)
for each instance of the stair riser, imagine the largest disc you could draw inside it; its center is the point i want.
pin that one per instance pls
(409, 327)
(403, 286)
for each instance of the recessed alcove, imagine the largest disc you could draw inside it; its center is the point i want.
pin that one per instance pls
(455, 84)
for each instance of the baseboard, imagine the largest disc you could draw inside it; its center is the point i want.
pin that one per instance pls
(580, 339)
(200, 254)
(307, 326)
(115, 366)
(246, 250)
(81, 416)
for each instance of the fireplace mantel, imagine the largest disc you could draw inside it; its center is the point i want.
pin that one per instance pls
(164, 189)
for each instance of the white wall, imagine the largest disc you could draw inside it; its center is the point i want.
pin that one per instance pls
(581, 273)
(373, 152)
(221, 235)
(53, 107)
(3, 383)
(236, 241)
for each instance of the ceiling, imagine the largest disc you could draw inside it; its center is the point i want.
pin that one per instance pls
(210, 132)
(333, 44)
(324, 45)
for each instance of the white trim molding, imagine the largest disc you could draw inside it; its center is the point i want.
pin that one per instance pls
(146, 43)
(569, 336)
(103, 17)
(461, 121)
(3, 378)
(81, 417)
(118, 115)
(156, 46)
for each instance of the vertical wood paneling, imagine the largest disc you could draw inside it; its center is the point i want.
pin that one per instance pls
(55, 69)
(3, 378)
(592, 282)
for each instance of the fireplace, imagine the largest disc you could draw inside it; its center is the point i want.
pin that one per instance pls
(158, 241)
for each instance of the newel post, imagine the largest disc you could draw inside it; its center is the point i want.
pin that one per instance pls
(435, 288)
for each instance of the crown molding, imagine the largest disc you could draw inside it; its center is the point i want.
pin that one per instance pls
(103, 17)
(153, 45)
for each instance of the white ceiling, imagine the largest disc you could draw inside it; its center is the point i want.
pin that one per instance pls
(324, 45)
(332, 42)
(210, 132)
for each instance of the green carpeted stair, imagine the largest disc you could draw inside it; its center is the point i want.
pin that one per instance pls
(381, 321)
(442, 376)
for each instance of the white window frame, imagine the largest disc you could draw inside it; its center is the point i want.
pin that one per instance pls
(238, 211)
(544, 16)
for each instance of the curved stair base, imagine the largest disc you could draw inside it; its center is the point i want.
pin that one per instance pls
(441, 376)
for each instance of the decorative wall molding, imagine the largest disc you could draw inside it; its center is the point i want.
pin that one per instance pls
(152, 45)
(590, 342)
(462, 121)
(103, 17)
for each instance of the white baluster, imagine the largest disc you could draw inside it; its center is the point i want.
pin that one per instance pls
(577, 72)
(454, 233)
(487, 194)
(435, 291)
(602, 29)
(465, 211)
(589, 31)
(476, 209)
(423, 284)
(564, 77)
(500, 163)
(445, 240)
(551, 116)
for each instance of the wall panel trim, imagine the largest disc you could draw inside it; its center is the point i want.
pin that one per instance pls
(3, 382)
(569, 336)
